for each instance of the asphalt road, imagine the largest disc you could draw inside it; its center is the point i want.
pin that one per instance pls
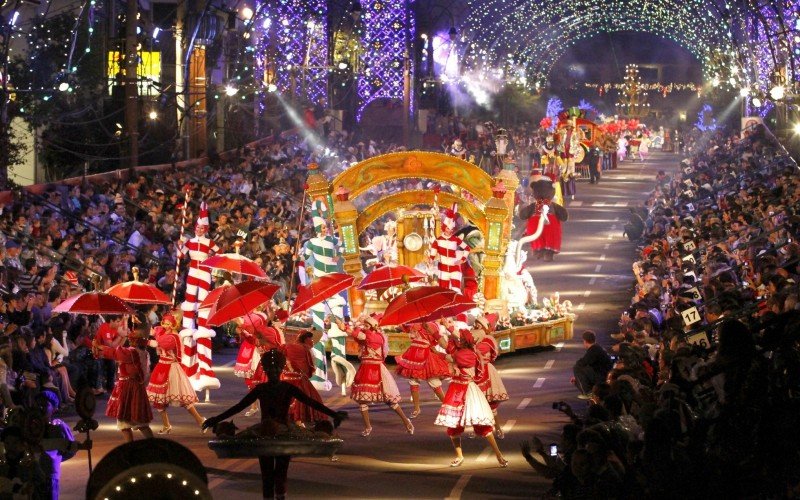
(593, 271)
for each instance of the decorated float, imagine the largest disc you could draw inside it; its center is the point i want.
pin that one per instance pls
(405, 222)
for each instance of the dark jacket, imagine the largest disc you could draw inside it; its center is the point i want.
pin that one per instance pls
(598, 359)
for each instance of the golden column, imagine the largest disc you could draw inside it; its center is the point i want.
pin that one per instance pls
(499, 221)
(346, 215)
(509, 178)
(317, 185)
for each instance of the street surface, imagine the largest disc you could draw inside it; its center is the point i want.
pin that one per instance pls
(593, 271)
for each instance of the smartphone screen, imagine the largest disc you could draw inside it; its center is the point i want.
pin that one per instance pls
(553, 450)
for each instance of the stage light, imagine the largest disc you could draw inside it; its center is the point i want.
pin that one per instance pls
(744, 92)
(247, 13)
(63, 86)
(231, 91)
(272, 88)
(156, 32)
(796, 128)
(153, 115)
(342, 65)
(777, 92)
(267, 23)
(756, 102)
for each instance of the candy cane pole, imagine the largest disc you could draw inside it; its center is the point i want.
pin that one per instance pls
(178, 246)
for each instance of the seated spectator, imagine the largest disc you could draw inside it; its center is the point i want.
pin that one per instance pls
(592, 368)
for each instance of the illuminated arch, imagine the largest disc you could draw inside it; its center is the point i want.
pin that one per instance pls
(532, 36)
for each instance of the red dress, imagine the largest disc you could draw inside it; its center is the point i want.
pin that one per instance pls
(128, 402)
(420, 361)
(372, 383)
(550, 239)
(299, 368)
(490, 382)
(264, 338)
(168, 382)
(464, 404)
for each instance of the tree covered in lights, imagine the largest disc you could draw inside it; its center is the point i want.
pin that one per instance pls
(63, 106)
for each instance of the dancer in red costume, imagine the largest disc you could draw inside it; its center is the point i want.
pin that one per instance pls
(422, 362)
(490, 383)
(298, 371)
(464, 404)
(275, 397)
(256, 330)
(128, 402)
(169, 384)
(373, 383)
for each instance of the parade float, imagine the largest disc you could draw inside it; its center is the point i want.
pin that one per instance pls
(433, 181)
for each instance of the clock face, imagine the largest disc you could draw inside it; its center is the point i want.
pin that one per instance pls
(412, 242)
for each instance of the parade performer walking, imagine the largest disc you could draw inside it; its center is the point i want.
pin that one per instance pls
(421, 362)
(275, 397)
(373, 383)
(547, 152)
(169, 385)
(450, 252)
(196, 352)
(568, 148)
(128, 403)
(298, 371)
(465, 404)
(257, 336)
(544, 218)
(490, 383)
(321, 255)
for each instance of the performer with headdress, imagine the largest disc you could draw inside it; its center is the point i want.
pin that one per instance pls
(321, 255)
(450, 251)
(568, 149)
(465, 404)
(490, 383)
(255, 330)
(196, 352)
(128, 403)
(421, 361)
(169, 385)
(373, 382)
(548, 153)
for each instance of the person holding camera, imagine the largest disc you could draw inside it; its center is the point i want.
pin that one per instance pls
(592, 368)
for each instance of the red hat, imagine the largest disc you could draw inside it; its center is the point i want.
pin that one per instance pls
(449, 216)
(202, 219)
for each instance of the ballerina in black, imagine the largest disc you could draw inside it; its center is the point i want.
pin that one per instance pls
(275, 396)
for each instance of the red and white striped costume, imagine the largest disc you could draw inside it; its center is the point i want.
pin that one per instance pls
(196, 354)
(451, 252)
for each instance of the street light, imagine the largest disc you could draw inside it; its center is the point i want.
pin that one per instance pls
(153, 115)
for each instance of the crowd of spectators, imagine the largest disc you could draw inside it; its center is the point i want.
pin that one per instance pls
(701, 399)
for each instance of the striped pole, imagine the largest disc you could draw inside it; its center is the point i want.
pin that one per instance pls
(178, 245)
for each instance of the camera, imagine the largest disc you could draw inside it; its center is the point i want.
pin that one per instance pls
(553, 450)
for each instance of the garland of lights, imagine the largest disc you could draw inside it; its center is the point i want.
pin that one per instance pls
(527, 38)
(388, 30)
(662, 88)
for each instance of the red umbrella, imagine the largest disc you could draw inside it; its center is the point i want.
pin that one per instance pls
(137, 292)
(416, 303)
(389, 276)
(234, 263)
(237, 300)
(322, 289)
(459, 305)
(93, 303)
(213, 296)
